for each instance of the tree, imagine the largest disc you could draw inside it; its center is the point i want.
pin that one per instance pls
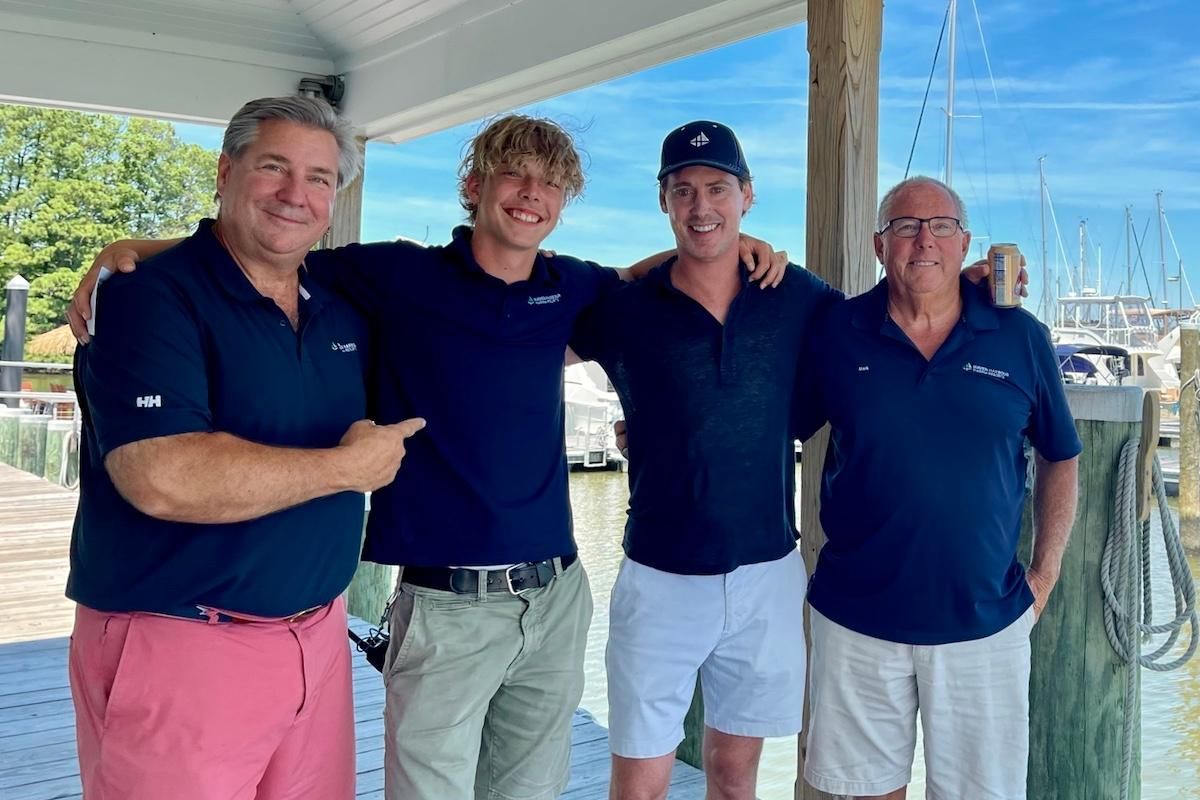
(72, 182)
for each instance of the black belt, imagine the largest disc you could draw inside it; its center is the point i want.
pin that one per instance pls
(514, 580)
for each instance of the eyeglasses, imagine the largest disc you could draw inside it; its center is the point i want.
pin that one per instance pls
(909, 227)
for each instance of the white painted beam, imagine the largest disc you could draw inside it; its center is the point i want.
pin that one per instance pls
(521, 52)
(126, 79)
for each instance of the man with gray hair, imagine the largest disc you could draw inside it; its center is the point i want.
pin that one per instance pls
(919, 603)
(224, 459)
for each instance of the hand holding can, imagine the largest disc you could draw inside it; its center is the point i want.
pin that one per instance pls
(1004, 261)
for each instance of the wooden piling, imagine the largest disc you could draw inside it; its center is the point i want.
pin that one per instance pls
(1189, 439)
(844, 41)
(1077, 686)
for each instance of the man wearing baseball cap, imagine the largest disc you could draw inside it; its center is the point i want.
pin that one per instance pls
(712, 583)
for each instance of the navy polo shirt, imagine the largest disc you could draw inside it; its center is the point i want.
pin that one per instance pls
(186, 344)
(924, 480)
(486, 481)
(708, 408)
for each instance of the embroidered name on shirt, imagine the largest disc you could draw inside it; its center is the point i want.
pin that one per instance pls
(348, 347)
(864, 368)
(545, 299)
(150, 401)
(981, 370)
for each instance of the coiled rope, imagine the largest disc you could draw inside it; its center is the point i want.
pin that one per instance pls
(1124, 567)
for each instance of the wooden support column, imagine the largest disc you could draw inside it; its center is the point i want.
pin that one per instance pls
(372, 584)
(1077, 684)
(1189, 439)
(844, 40)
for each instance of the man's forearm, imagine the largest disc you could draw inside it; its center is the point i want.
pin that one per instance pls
(1055, 494)
(220, 478)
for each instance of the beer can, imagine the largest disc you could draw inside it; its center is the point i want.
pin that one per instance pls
(1005, 262)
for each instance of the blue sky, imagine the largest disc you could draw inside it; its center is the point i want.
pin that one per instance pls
(1108, 91)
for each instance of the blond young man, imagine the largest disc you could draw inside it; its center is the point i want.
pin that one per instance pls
(490, 617)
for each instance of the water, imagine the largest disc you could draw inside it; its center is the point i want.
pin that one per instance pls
(1170, 701)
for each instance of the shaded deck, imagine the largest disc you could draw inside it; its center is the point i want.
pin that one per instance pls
(37, 736)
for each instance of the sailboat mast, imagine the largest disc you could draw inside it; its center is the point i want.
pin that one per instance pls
(1162, 247)
(953, 26)
(1128, 252)
(1082, 256)
(1045, 267)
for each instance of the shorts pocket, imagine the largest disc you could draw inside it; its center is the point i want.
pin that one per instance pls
(115, 647)
(402, 624)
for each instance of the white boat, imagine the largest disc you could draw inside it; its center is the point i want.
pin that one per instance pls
(590, 414)
(1122, 321)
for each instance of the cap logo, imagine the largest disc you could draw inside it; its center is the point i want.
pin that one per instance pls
(699, 141)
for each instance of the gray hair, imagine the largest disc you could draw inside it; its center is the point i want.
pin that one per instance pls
(918, 180)
(308, 111)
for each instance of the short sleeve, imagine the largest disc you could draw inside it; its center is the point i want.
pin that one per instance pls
(1052, 430)
(589, 338)
(360, 273)
(144, 371)
(809, 410)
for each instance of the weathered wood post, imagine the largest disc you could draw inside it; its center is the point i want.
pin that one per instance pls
(1189, 439)
(17, 297)
(844, 40)
(372, 583)
(1077, 704)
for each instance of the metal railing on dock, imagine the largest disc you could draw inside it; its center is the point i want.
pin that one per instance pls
(39, 430)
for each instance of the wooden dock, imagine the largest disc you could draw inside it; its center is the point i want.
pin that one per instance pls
(37, 734)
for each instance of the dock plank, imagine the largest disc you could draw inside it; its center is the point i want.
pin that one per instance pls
(37, 718)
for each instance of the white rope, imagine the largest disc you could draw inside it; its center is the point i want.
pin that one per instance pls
(1124, 568)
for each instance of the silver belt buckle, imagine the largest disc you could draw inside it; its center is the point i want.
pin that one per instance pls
(508, 579)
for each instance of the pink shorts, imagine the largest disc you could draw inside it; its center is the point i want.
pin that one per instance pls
(168, 707)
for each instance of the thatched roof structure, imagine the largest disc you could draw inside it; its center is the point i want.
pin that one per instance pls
(51, 344)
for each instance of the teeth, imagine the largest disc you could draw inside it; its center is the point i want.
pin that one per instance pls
(521, 216)
(705, 228)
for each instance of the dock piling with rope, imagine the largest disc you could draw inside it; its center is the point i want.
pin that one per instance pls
(1189, 437)
(1097, 632)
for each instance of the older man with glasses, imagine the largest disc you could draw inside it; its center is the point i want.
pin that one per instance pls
(919, 603)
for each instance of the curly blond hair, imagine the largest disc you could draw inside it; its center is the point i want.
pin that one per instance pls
(512, 140)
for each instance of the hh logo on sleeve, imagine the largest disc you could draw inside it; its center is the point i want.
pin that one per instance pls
(150, 401)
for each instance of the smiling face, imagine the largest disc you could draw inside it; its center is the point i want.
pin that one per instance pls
(926, 264)
(517, 205)
(705, 206)
(277, 195)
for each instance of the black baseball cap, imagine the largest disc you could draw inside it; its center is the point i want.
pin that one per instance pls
(703, 143)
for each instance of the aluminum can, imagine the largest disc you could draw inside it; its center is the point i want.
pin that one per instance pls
(1005, 262)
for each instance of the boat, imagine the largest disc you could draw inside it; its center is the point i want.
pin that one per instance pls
(1122, 321)
(588, 421)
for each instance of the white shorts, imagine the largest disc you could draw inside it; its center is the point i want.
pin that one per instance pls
(743, 632)
(973, 699)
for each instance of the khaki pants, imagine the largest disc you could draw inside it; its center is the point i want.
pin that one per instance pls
(481, 691)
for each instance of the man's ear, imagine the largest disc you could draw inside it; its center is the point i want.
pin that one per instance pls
(472, 186)
(747, 198)
(879, 248)
(224, 165)
(662, 199)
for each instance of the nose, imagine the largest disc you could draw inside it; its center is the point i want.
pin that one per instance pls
(925, 237)
(530, 187)
(291, 190)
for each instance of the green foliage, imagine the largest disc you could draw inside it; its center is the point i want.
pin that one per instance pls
(72, 182)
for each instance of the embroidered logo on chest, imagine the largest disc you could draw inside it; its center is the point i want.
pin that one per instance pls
(979, 369)
(348, 347)
(545, 299)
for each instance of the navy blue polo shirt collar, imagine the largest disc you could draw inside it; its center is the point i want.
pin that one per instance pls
(235, 283)
(544, 272)
(660, 276)
(978, 313)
